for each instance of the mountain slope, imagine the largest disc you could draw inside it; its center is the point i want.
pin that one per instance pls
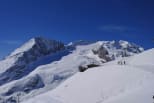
(21, 62)
(54, 67)
(110, 83)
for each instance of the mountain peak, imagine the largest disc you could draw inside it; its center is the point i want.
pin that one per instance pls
(25, 47)
(20, 60)
(36, 42)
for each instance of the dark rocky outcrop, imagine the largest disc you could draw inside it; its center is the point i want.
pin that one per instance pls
(102, 53)
(84, 68)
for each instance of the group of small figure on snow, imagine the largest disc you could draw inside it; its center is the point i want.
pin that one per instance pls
(122, 62)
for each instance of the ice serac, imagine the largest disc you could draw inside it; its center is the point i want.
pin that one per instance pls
(21, 61)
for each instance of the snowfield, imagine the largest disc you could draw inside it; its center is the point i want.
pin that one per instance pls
(45, 71)
(109, 83)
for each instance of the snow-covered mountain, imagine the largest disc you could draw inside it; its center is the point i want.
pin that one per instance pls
(110, 83)
(25, 59)
(41, 65)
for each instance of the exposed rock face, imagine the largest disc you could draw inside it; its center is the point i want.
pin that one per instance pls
(84, 68)
(109, 50)
(26, 55)
(102, 53)
(37, 47)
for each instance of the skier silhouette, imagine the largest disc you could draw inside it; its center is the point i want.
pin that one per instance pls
(124, 62)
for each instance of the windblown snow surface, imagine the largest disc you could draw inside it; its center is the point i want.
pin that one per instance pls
(109, 83)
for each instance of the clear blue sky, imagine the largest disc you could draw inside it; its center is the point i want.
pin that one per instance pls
(70, 20)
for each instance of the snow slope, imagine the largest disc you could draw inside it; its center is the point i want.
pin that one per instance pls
(145, 58)
(110, 83)
(54, 73)
(18, 63)
(47, 64)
